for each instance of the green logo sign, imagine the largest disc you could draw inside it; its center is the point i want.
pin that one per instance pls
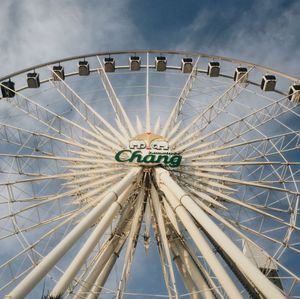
(149, 149)
(169, 159)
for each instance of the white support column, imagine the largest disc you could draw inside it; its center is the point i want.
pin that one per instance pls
(89, 281)
(101, 279)
(47, 263)
(164, 241)
(192, 270)
(97, 288)
(207, 252)
(132, 240)
(118, 237)
(90, 243)
(186, 278)
(261, 282)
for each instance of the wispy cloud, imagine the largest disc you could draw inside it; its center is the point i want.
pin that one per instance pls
(37, 31)
(265, 32)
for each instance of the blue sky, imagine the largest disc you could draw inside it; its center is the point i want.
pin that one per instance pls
(265, 32)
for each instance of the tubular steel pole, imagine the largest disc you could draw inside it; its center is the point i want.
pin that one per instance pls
(192, 269)
(89, 244)
(207, 252)
(261, 282)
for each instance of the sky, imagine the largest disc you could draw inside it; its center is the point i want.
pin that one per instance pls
(265, 32)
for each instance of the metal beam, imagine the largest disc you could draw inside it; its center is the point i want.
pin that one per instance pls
(260, 281)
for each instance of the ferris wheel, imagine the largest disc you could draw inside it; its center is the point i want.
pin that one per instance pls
(149, 174)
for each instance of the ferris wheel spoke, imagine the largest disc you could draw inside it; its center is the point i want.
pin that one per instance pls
(281, 103)
(241, 163)
(42, 200)
(244, 125)
(81, 197)
(90, 182)
(198, 147)
(114, 101)
(271, 141)
(206, 198)
(87, 113)
(20, 137)
(101, 144)
(39, 139)
(256, 119)
(62, 176)
(259, 146)
(148, 116)
(90, 153)
(233, 181)
(52, 121)
(42, 223)
(211, 112)
(47, 199)
(283, 142)
(139, 126)
(172, 119)
(263, 236)
(20, 158)
(202, 187)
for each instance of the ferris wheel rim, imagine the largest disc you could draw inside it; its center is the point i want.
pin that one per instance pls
(127, 52)
(184, 53)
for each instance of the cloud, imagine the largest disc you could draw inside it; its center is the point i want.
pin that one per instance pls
(37, 31)
(265, 32)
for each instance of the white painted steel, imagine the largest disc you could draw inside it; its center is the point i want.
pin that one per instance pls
(192, 269)
(207, 252)
(172, 119)
(234, 170)
(115, 102)
(132, 243)
(262, 283)
(107, 250)
(90, 243)
(164, 241)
